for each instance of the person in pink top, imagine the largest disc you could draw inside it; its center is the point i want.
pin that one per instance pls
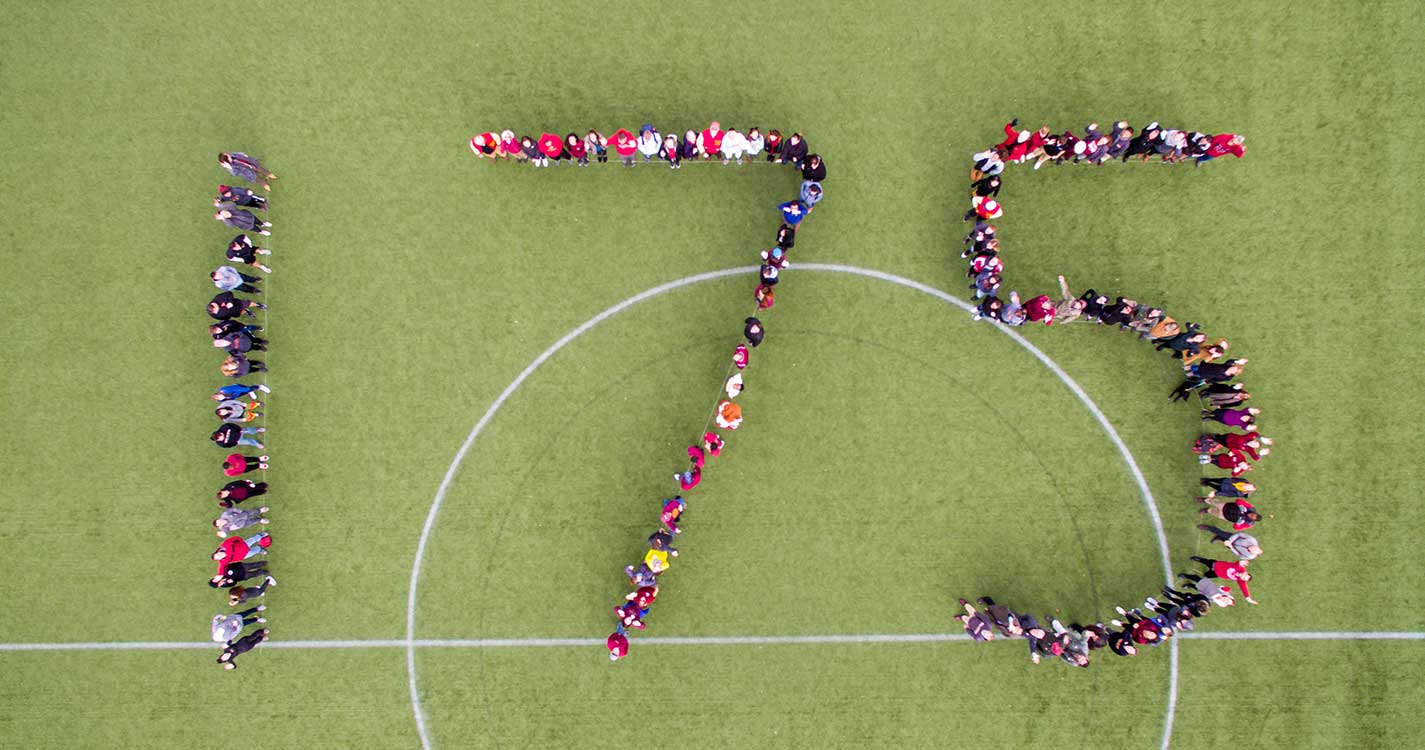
(617, 645)
(237, 463)
(672, 511)
(1243, 418)
(1222, 145)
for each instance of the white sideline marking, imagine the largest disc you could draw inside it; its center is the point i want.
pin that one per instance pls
(688, 640)
(544, 356)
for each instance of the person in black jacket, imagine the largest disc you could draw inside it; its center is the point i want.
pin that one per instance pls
(240, 342)
(230, 435)
(753, 331)
(814, 169)
(985, 187)
(1144, 143)
(786, 236)
(226, 305)
(237, 572)
(794, 151)
(240, 647)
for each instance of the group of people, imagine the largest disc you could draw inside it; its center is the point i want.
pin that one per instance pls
(1207, 371)
(643, 576)
(240, 558)
(650, 145)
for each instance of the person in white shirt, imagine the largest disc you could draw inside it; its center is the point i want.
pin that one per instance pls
(734, 146)
(755, 143)
(649, 142)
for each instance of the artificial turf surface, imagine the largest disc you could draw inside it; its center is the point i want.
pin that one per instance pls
(895, 456)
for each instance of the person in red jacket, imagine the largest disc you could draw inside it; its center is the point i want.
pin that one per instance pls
(626, 145)
(618, 646)
(985, 208)
(1235, 572)
(672, 511)
(643, 596)
(1232, 461)
(629, 615)
(1019, 144)
(710, 140)
(236, 549)
(713, 444)
(1222, 145)
(1251, 443)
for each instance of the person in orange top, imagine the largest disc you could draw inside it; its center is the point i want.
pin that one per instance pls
(729, 415)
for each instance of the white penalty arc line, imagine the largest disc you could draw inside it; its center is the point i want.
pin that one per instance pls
(449, 478)
(690, 640)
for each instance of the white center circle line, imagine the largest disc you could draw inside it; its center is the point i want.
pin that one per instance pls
(411, 643)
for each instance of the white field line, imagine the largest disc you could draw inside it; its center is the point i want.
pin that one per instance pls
(1148, 501)
(690, 640)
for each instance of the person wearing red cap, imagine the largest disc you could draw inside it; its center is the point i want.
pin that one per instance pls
(618, 646)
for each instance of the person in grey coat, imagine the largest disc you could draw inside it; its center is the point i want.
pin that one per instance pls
(247, 167)
(1243, 545)
(236, 519)
(240, 219)
(227, 627)
(230, 279)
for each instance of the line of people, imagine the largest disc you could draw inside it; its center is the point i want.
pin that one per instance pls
(644, 576)
(240, 558)
(712, 143)
(1208, 373)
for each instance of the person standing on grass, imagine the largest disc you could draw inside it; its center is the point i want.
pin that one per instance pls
(752, 329)
(662, 541)
(649, 142)
(793, 212)
(230, 435)
(794, 151)
(710, 140)
(225, 306)
(242, 594)
(1239, 513)
(238, 366)
(814, 169)
(236, 464)
(239, 342)
(241, 250)
(976, 624)
(241, 646)
(756, 142)
(577, 150)
(237, 572)
(1227, 487)
(618, 646)
(774, 146)
(229, 279)
(240, 196)
(642, 575)
(672, 511)
(985, 208)
(247, 167)
(811, 194)
(243, 220)
(1241, 418)
(227, 626)
(671, 152)
(733, 147)
(728, 416)
(629, 615)
(238, 412)
(237, 519)
(237, 491)
(1006, 620)
(1235, 572)
(237, 549)
(626, 145)
(1242, 544)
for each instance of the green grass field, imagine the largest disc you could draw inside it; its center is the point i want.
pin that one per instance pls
(895, 455)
